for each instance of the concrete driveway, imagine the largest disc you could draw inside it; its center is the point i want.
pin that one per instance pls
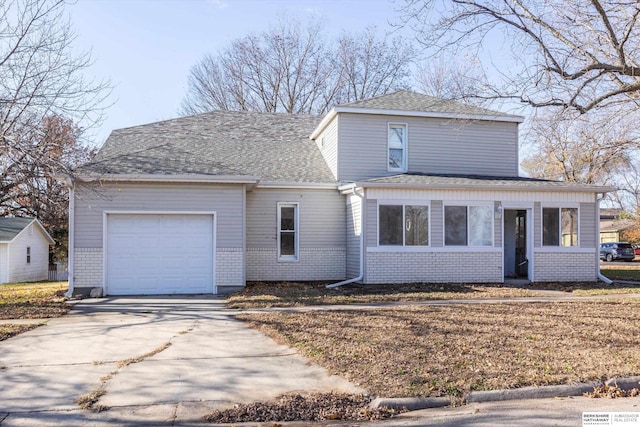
(161, 359)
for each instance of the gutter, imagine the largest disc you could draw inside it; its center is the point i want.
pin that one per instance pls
(355, 279)
(71, 241)
(600, 275)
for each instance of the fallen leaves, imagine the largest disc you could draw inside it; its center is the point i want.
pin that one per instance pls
(304, 407)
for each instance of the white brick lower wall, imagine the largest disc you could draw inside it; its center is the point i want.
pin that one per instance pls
(434, 267)
(229, 267)
(312, 264)
(87, 267)
(564, 267)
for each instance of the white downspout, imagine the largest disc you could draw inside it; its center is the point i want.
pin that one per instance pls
(600, 275)
(71, 242)
(356, 279)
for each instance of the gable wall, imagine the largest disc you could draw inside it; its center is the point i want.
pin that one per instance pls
(330, 149)
(4, 277)
(37, 269)
(434, 146)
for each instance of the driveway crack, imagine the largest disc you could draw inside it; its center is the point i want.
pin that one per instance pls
(91, 400)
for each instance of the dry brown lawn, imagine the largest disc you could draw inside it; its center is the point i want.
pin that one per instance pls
(32, 300)
(10, 330)
(450, 350)
(291, 294)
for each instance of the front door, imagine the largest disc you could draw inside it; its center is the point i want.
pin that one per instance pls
(516, 263)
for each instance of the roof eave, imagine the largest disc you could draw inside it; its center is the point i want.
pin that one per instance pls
(443, 186)
(430, 114)
(182, 178)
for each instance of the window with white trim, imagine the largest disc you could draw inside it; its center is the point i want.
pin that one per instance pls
(287, 231)
(28, 255)
(403, 225)
(468, 225)
(560, 227)
(397, 147)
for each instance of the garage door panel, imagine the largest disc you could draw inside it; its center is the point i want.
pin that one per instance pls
(159, 254)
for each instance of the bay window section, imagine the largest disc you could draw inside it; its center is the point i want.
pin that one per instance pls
(560, 227)
(468, 226)
(403, 225)
(287, 231)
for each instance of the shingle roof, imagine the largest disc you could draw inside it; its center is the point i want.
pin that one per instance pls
(411, 101)
(274, 147)
(11, 227)
(471, 181)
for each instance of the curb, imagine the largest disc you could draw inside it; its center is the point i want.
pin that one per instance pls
(416, 403)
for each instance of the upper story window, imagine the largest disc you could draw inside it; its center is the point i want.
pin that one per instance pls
(403, 225)
(28, 255)
(397, 147)
(559, 227)
(468, 226)
(287, 231)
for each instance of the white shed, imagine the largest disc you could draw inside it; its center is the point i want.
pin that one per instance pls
(24, 250)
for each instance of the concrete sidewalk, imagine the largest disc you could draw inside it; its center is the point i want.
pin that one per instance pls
(182, 357)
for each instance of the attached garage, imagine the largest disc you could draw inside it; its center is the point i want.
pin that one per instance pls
(159, 253)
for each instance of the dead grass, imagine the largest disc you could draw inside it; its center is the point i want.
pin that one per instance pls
(450, 350)
(32, 300)
(290, 294)
(10, 330)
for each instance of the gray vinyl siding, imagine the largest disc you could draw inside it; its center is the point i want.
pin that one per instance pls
(434, 146)
(587, 225)
(225, 200)
(353, 238)
(537, 225)
(322, 217)
(330, 149)
(437, 221)
(371, 218)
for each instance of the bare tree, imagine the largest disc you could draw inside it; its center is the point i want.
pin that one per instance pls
(286, 69)
(450, 80)
(578, 54)
(42, 88)
(369, 66)
(291, 69)
(586, 149)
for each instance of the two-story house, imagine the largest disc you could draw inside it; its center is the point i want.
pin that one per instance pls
(399, 188)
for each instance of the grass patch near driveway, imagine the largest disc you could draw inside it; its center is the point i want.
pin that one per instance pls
(11, 330)
(450, 350)
(32, 300)
(291, 294)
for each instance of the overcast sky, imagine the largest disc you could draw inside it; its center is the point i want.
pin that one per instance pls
(146, 47)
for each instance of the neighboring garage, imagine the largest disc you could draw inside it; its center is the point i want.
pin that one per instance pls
(159, 253)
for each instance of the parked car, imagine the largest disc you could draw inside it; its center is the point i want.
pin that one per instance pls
(636, 248)
(617, 250)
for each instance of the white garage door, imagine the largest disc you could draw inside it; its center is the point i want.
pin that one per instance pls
(159, 254)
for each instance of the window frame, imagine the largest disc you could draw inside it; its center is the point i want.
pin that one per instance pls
(404, 203)
(28, 254)
(296, 231)
(468, 205)
(405, 147)
(560, 207)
